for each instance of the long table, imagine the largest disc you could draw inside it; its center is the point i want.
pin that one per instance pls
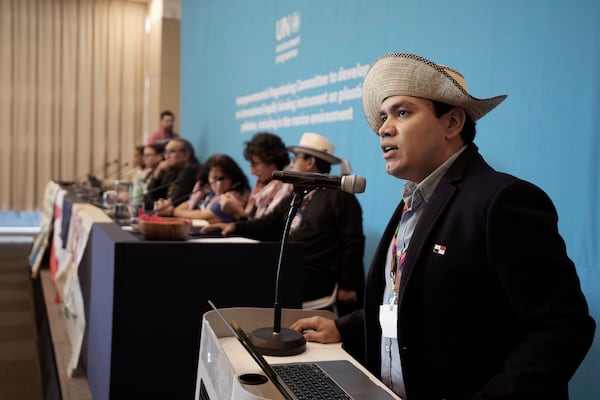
(144, 301)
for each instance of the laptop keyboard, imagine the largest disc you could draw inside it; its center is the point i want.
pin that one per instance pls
(308, 381)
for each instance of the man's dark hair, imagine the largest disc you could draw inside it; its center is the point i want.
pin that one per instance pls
(323, 166)
(187, 148)
(167, 112)
(468, 131)
(269, 148)
(159, 148)
(229, 168)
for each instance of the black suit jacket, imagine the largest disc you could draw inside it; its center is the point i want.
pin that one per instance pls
(176, 185)
(500, 314)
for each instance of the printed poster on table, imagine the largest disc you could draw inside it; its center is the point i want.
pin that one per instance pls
(67, 279)
(40, 243)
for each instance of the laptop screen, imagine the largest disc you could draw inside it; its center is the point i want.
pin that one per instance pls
(243, 338)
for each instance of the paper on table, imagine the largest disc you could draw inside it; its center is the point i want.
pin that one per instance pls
(199, 223)
(224, 239)
(196, 223)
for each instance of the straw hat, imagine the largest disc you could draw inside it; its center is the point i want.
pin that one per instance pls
(316, 146)
(401, 74)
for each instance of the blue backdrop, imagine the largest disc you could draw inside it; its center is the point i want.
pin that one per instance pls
(296, 66)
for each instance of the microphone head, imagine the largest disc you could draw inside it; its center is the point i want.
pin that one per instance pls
(353, 183)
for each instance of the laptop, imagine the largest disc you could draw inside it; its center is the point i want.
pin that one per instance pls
(337, 379)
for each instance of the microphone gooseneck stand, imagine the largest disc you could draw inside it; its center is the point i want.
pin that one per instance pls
(276, 341)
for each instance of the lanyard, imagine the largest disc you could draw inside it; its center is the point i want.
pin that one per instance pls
(397, 262)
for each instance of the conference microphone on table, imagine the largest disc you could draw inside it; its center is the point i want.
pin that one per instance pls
(92, 171)
(275, 340)
(95, 170)
(93, 181)
(152, 190)
(118, 169)
(309, 180)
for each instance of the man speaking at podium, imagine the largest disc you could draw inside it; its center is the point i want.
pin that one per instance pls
(471, 294)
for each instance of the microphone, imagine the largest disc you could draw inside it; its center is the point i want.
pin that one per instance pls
(94, 181)
(308, 180)
(275, 340)
(92, 171)
(154, 189)
(117, 170)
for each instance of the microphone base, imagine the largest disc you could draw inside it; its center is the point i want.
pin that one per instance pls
(288, 342)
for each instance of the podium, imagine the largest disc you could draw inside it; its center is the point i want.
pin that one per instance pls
(222, 359)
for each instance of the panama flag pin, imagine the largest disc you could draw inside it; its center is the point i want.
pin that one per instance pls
(439, 249)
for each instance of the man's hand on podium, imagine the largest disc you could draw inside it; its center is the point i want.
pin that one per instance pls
(317, 329)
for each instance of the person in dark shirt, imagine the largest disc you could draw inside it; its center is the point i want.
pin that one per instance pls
(175, 176)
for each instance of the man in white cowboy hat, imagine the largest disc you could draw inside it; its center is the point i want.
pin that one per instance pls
(328, 222)
(470, 294)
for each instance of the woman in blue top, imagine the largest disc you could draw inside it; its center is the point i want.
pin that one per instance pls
(220, 174)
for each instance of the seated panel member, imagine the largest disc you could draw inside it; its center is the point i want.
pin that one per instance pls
(153, 155)
(224, 177)
(266, 153)
(175, 176)
(139, 169)
(328, 222)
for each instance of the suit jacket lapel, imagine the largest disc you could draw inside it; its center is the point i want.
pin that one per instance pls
(419, 243)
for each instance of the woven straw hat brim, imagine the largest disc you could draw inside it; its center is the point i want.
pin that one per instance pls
(401, 74)
(315, 153)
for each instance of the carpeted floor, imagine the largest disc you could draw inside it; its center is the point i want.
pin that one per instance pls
(20, 377)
